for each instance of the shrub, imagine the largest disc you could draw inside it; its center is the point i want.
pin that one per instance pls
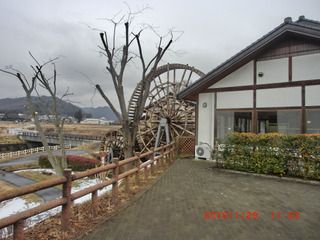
(76, 163)
(273, 153)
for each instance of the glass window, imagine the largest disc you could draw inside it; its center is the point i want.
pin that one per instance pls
(288, 122)
(229, 121)
(313, 120)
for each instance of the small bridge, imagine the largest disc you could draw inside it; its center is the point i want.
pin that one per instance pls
(69, 139)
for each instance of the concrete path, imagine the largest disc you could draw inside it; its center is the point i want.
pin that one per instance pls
(187, 200)
(34, 158)
(17, 180)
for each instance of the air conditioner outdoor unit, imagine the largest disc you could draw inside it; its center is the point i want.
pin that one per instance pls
(203, 151)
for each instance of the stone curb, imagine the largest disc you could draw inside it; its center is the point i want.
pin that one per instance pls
(288, 179)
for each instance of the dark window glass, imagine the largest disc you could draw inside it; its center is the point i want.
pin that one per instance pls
(288, 122)
(228, 122)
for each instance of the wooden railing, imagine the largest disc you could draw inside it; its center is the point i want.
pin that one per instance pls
(28, 151)
(157, 158)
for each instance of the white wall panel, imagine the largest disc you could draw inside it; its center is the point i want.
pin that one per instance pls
(306, 67)
(274, 71)
(240, 77)
(206, 118)
(279, 97)
(313, 95)
(235, 99)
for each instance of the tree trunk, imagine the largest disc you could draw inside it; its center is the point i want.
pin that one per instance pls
(129, 145)
(57, 164)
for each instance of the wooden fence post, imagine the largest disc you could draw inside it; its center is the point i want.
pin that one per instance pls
(18, 233)
(171, 154)
(94, 201)
(162, 157)
(115, 184)
(127, 184)
(66, 193)
(152, 163)
(137, 162)
(145, 171)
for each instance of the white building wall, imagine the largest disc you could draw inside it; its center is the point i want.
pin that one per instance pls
(240, 77)
(279, 97)
(206, 118)
(235, 99)
(274, 71)
(313, 95)
(306, 67)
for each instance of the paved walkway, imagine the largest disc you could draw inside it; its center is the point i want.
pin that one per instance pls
(174, 208)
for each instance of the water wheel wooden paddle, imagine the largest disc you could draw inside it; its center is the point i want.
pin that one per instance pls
(112, 145)
(162, 102)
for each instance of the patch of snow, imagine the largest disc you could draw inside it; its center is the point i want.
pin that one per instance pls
(11, 207)
(46, 170)
(85, 183)
(15, 205)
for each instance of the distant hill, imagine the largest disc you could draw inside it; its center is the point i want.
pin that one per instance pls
(19, 105)
(98, 112)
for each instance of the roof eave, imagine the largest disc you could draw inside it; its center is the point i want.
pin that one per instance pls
(246, 55)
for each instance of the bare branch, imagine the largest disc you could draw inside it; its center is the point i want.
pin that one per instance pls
(66, 94)
(124, 55)
(8, 72)
(44, 64)
(108, 102)
(55, 80)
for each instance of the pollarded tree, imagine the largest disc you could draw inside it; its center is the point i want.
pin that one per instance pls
(118, 55)
(49, 84)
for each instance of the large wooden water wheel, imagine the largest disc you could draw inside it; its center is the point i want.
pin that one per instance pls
(162, 103)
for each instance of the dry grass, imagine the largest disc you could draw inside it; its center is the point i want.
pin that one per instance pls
(81, 129)
(4, 187)
(84, 129)
(90, 147)
(20, 167)
(7, 139)
(36, 176)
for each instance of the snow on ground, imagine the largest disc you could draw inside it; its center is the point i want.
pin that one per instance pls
(16, 205)
(13, 206)
(46, 170)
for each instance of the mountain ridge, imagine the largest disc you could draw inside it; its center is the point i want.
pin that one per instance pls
(19, 105)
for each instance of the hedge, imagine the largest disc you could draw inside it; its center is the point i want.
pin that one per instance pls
(76, 163)
(273, 153)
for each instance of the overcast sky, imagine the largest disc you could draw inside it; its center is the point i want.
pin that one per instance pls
(212, 32)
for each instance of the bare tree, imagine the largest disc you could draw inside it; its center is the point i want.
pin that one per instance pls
(117, 59)
(39, 79)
